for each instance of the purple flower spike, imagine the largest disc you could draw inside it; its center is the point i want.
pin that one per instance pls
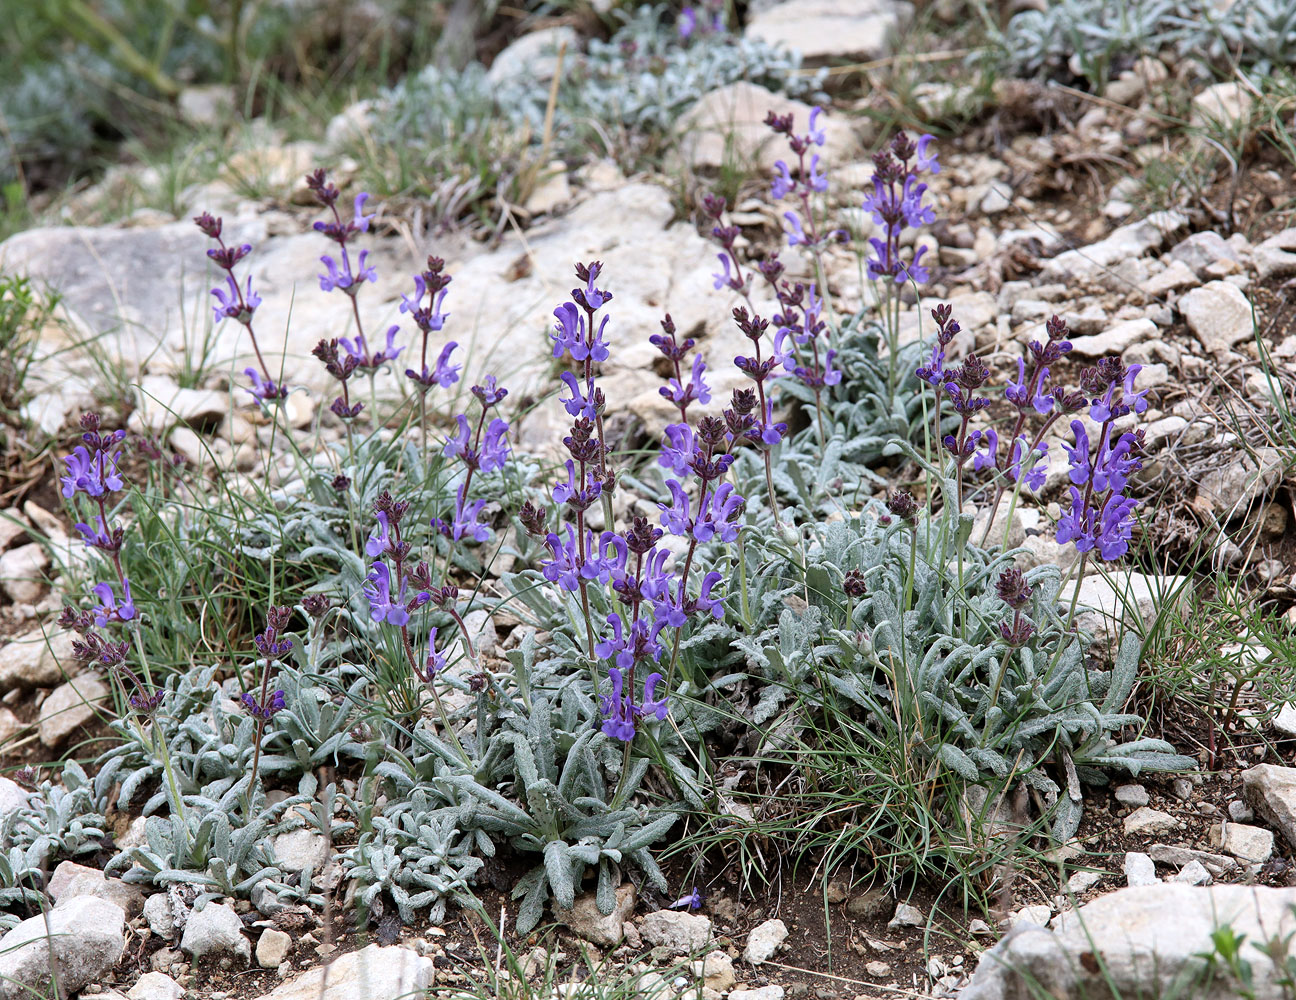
(678, 449)
(380, 540)
(231, 305)
(382, 606)
(578, 405)
(93, 476)
(109, 610)
(264, 388)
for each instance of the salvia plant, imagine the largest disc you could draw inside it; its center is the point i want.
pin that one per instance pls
(746, 575)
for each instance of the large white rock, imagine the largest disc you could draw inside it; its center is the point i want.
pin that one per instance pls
(69, 707)
(764, 940)
(1126, 243)
(1271, 792)
(22, 572)
(213, 932)
(1226, 105)
(728, 126)
(36, 659)
(824, 30)
(372, 973)
(603, 929)
(1219, 315)
(682, 933)
(1121, 603)
(85, 937)
(534, 57)
(1151, 941)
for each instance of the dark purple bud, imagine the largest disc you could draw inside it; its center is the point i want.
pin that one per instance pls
(341, 483)
(853, 584)
(533, 518)
(903, 505)
(1012, 588)
(209, 224)
(316, 605)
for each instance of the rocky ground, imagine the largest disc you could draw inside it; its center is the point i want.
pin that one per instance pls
(1029, 229)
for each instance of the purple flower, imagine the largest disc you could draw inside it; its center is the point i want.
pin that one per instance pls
(463, 521)
(358, 349)
(696, 388)
(676, 516)
(627, 647)
(266, 711)
(264, 387)
(687, 22)
(382, 606)
(572, 492)
(717, 514)
(108, 609)
(783, 183)
(816, 135)
(578, 405)
(341, 277)
(693, 901)
(429, 318)
(622, 712)
(494, 449)
(568, 567)
(443, 374)
(705, 602)
(490, 392)
(380, 540)
(232, 305)
(925, 162)
(1022, 395)
(569, 333)
(93, 475)
(797, 235)
(435, 660)
(678, 449)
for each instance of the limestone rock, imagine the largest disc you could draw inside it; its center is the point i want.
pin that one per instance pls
(1126, 594)
(1129, 242)
(1131, 795)
(1139, 869)
(87, 938)
(1271, 791)
(682, 933)
(374, 973)
(906, 916)
(1193, 873)
(298, 850)
(822, 30)
(1216, 864)
(716, 972)
(36, 659)
(1232, 488)
(1218, 314)
(1175, 278)
(1225, 104)
(1284, 723)
(160, 916)
(22, 572)
(71, 880)
(155, 986)
(1145, 820)
(605, 930)
(12, 797)
(1200, 250)
(1150, 939)
(69, 707)
(534, 56)
(729, 123)
(1117, 340)
(764, 940)
(213, 932)
(1248, 843)
(272, 948)
(1276, 256)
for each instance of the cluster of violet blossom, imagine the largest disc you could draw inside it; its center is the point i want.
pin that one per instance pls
(633, 562)
(92, 471)
(802, 182)
(1101, 516)
(239, 303)
(707, 18)
(896, 204)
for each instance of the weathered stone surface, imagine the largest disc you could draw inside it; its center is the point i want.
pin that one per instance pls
(272, 948)
(534, 56)
(1139, 869)
(682, 933)
(771, 992)
(12, 796)
(298, 850)
(1271, 792)
(160, 916)
(1132, 795)
(1232, 488)
(1284, 723)
(22, 572)
(906, 916)
(729, 124)
(1248, 843)
(716, 972)
(1175, 278)
(823, 30)
(36, 660)
(1218, 314)
(1225, 104)
(374, 973)
(1117, 340)
(1126, 243)
(1114, 603)
(1276, 256)
(155, 986)
(1151, 940)
(87, 938)
(71, 880)
(1193, 873)
(69, 707)
(764, 940)
(1200, 250)
(215, 931)
(161, 403)
(1216, 864)
(605, 930)
(1145, 820)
